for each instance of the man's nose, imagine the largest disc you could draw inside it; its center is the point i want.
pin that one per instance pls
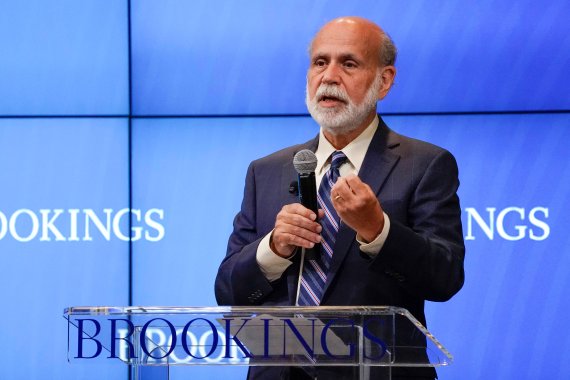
(332, 74)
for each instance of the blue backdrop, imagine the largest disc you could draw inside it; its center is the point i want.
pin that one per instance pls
(113, 111)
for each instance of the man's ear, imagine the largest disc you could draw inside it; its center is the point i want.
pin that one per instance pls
(388, 73)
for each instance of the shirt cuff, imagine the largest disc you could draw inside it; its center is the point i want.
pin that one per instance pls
(271, 265)
(373, 248)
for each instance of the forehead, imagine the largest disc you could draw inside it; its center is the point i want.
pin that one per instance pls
(345, 39)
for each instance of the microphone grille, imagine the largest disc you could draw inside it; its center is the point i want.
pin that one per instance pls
(305, 161)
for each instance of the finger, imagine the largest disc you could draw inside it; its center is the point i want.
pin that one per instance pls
(284, 244)
(297, 220)
(339, 196)
(300, 232)
(349, 184)
(299, 209)
(341, 190)
(339, 201)
(356, 184)
(299, 241)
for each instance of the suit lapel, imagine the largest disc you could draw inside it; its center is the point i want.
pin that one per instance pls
(378, 163)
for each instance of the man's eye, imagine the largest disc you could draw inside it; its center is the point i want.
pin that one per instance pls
(320, 62)
(350, 64)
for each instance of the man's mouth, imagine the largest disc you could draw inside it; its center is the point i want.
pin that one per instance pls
(327, 100)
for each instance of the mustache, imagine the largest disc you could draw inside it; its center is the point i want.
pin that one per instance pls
(331, 91)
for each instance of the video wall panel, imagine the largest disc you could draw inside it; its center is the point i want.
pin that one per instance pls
(513, 172)
(64, 182)
(194, 170)
(228, 58)
(64, 57)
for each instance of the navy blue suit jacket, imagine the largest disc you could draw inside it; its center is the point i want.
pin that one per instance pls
(422, 258)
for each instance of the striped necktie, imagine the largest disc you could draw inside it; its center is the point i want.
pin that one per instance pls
(315, 272)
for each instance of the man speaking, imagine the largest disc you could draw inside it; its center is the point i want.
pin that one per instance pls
(388, 226)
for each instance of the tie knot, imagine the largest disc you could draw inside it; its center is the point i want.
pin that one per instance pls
(338, 158)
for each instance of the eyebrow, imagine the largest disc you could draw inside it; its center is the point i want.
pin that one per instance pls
(349, 56)
(342, 56)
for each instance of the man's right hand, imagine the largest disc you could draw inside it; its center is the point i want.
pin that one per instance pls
(295, 226)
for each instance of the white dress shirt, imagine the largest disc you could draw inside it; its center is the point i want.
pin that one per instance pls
(273, 265)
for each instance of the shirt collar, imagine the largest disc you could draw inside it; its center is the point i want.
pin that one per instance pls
(354, 151)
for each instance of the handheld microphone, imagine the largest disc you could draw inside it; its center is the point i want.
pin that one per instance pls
(305, 163)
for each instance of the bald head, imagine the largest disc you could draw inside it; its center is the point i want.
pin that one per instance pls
(377, 41)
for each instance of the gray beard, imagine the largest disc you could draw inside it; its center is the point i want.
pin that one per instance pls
(347, 117)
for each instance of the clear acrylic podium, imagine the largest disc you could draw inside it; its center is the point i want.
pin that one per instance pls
(152, 339)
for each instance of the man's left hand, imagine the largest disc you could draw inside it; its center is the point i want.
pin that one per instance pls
(358, 206)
